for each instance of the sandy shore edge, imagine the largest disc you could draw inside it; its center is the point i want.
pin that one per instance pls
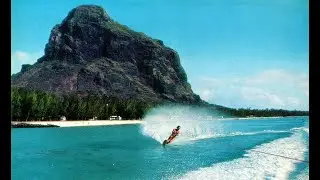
(82, 123)
(120, 122)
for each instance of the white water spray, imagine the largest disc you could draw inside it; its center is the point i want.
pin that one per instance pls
(196, 123)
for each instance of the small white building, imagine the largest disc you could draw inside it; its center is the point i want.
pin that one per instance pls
(63, 118)
(94, 118)
(115, 118)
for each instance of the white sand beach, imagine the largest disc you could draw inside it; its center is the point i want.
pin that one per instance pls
(83, 123)
(116, 122)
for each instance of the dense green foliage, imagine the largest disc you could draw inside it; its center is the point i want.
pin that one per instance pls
(29, 105)
(256, 112)
(36, 105)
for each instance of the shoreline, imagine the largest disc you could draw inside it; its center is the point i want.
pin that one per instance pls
(255, 117)
(82, 123)
(76, 123)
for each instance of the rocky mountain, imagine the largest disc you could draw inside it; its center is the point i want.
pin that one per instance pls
(91, 53)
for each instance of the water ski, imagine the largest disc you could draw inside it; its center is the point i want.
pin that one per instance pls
(167, 141)
(164, 142)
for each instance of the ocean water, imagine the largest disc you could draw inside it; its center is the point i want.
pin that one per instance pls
(269, 148)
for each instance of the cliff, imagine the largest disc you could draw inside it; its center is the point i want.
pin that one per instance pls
(91, 53)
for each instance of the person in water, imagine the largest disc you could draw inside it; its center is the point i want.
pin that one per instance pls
(174, 133)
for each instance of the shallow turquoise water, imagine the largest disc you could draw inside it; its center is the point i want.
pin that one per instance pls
(125, 152)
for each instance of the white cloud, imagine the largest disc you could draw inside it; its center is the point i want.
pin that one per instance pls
(294, 100)
(277, 77)
(261, 96)
(274, 88)
(206, 94)
(305, 86)
(20, 57)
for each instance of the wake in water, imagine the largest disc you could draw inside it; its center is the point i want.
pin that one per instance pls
(277, 159)
(258, 165)
(194, 123)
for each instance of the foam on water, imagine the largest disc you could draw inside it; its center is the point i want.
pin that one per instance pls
(194, 122)
(305, 129)
(303, 175)
(255, 165)
(237, 134)
(159, 123)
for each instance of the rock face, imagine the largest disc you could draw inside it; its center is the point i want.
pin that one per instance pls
(91, 53)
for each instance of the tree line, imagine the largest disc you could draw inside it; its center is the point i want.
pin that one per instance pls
(35, 105)
(242, 112)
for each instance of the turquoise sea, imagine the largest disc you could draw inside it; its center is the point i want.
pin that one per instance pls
(265, 148)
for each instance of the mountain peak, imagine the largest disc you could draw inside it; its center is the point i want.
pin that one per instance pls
(87, 14)
(90, 53)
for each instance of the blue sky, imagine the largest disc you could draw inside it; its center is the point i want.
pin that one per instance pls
(237, 53)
